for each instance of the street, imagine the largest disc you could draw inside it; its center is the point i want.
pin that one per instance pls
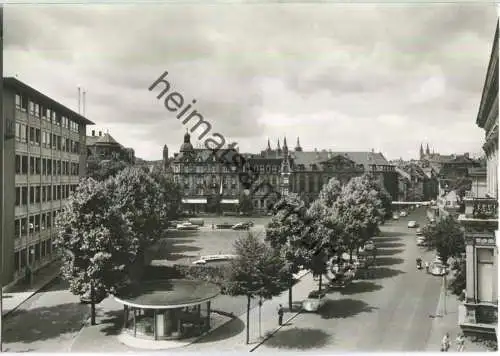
(391, 312)
(47, 322)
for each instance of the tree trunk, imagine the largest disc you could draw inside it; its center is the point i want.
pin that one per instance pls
(249, 299)
(320, 282)
(290, 297)
(92, 314)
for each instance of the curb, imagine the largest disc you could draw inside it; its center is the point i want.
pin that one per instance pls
(35, 291)
(238, 316)
(85, 324)
(271, 334)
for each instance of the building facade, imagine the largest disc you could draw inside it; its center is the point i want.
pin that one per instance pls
(479, 313)
(44, 158)
(102, 146)
(208, 184)
(209, 181)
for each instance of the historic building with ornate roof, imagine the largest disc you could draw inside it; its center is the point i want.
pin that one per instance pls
(208, 180)
(102, 146)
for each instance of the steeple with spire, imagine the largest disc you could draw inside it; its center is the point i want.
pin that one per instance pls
(421, 151)
(298, 148)
(285, 147)
(279, 146)
(427, 151)
(268, 145)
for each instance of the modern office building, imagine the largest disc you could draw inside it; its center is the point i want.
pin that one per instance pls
(44, 158)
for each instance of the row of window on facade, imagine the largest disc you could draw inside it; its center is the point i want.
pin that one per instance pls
(42, 138)
(39, 111)
(224, 168)
(46, 166)
(28, 256)
(34, 224)
(43, 194)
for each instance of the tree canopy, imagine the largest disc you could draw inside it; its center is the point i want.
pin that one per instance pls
(105, 229)
(446, 236)
(258, 271)
(103, 169)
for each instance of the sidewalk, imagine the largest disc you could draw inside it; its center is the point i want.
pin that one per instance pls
(227, 334)
(16, 294)
(224, 338)
(448, 323)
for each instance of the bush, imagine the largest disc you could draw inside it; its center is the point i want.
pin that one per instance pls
(214, 274)
(316, 294)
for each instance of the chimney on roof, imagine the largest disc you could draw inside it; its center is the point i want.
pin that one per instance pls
(100, 133)
(93, 132)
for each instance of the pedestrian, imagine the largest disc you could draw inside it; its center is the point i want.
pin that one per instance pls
(280, 314)
(460, 342)
(427, 266)
(445, 343)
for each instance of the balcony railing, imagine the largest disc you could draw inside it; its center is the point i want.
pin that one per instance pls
(481, 208)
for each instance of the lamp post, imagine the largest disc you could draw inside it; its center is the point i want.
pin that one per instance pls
(260, 317)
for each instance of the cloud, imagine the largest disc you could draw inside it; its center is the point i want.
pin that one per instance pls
(338, 75)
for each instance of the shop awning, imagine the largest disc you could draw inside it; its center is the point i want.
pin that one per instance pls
(195, 201)
(230, 201)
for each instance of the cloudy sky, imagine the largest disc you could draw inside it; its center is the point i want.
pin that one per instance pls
(342, 77)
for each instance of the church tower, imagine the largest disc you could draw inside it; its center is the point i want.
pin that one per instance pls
(298, 148)
(165, 158)
(421, 151)
(427, 151)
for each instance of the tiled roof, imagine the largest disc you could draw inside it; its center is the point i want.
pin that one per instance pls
(105, 139)
(364, 158)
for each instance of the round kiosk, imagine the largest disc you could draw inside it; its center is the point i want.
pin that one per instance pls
(168, 309)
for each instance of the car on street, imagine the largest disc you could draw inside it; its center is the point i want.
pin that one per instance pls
(395, 216)
(412, 224)
(314, 301)
(420, 241)
(403, 213)
(418, 232)
(437, 269)
(369, 245)
(241, 226)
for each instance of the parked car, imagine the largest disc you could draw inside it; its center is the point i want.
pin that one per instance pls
(412, 224)
(403, 213)
(420, 241)
(369, 245)
(224, 225)
(419, 232)
(395, 216)
(241, 226)
(314, 301)
(437, 269)
(187, 226)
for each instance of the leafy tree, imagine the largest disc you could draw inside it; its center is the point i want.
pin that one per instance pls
(139, 198)
(323, 236)
(95, 239)
(330, 192)
(358, 211)
(105, 230)
(286, 232)
(258, 271)
(102, 170)
(458, 283)
(246, 205)
(170, 194)
(446, 236)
